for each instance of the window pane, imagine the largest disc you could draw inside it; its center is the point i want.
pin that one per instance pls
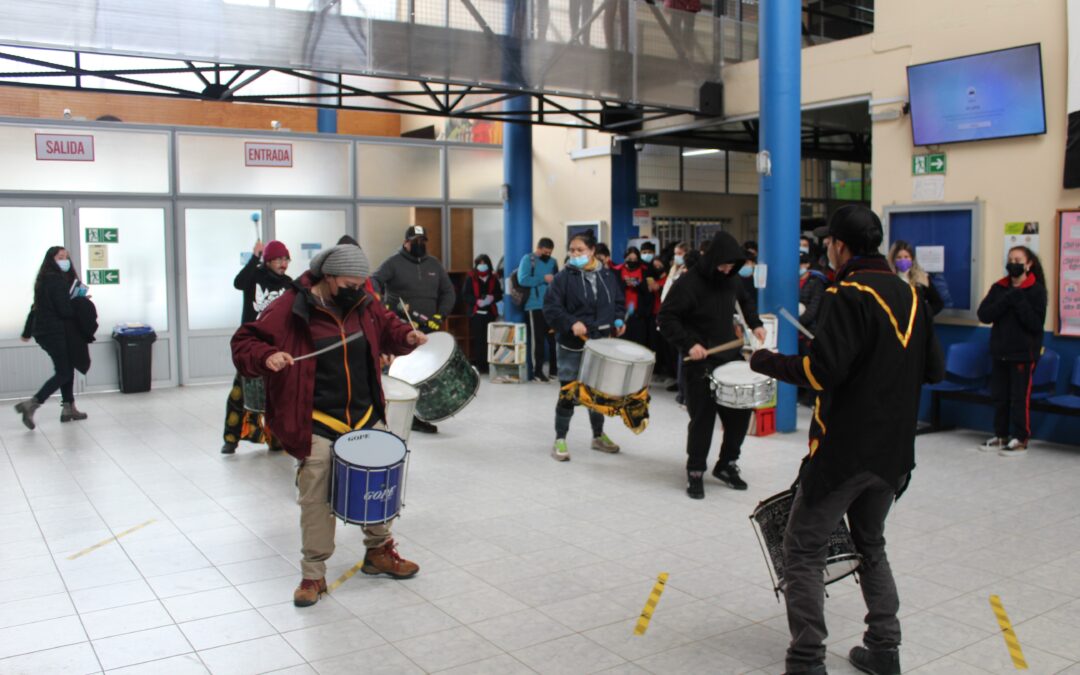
(217, 244)
(744, 177)
(476, 174)
(307, 232)
(139, 257)
(401, 171)
(123, 161)
(488, 234)
(215, 164)
(658, 168)
(382, 231)
(29, 231)
(704, 171)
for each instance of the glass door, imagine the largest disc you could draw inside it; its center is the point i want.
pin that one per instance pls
(307, 231)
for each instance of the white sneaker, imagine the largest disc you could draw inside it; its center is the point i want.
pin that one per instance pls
(1015, 448)
(993, 445)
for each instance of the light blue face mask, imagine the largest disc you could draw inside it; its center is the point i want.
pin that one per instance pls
(746, 271)
(579, 260)
(803, 271)
(680, 261)
(64, 265)
(647, 257)
(482, 268)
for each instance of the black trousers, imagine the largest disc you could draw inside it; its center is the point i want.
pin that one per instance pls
(478, 328)
(1010, 387)
(63, 377)
(540, 336)
(703, 411)
(866, 499)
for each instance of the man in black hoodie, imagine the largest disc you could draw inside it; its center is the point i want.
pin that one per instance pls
(874, 349)
(698, 314)
(413, 278)
(261, 280)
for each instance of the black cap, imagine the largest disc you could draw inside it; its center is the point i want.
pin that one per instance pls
(414, 231)
(858, 227)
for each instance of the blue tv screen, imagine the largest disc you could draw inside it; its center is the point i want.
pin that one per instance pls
(972, 98)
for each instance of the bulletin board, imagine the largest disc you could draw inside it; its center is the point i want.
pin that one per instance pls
(1068, 273)
(946, 238)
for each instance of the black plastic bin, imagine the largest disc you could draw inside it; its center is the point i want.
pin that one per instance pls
(135, 352)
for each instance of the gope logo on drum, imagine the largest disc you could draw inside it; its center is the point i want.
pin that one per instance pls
(385, 494)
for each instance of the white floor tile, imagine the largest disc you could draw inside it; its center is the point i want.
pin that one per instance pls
(133, 648)
(226, 629)
(205, 604)
(454, 647)
(251, 658)
(32, 637)
(570, 655)
(74, 659)
(127, 619)
(186, 664)
(383, 660)
(36, 609)
(334, 639)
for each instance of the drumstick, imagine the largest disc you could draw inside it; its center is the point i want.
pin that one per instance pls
(746, 327)
(405, 308)
(720, 348)
(358, 334)
(795, 322)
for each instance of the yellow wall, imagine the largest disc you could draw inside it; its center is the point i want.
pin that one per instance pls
(1015, 179)
(566, 190)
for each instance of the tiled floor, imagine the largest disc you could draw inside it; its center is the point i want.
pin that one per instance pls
(528, 565)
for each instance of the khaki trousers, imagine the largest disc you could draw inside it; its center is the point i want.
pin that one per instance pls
(317, 521)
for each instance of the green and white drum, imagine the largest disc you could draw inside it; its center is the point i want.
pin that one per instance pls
(444, 377)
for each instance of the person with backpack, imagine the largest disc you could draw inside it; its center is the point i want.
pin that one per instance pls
(535, 273)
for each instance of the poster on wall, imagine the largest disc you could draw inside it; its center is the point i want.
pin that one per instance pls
(1021, 234)
(1068, 322)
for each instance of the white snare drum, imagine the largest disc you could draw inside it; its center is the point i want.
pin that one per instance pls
(615, 367)
(400, 399)
(734, 385)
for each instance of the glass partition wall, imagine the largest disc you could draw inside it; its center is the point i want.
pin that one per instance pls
(159, 221)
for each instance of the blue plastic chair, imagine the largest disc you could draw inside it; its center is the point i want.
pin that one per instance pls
(1072, 399)
(967, 364)
(1044, 379)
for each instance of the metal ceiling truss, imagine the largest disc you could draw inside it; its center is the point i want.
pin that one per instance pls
(241, 83)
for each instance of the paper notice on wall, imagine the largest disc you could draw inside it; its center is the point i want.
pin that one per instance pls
(310, 249)
(928, 189)
(1069, 275)
(99, 256)
(643, 222)
(931, 258)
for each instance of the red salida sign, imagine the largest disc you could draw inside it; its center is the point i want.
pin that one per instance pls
(65, 147)
(268, 154)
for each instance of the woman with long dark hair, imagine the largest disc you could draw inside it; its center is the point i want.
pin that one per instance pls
(1016, 306)
(479, 293)
(51, 321)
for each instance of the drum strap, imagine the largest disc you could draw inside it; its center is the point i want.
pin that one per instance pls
(633, 409)
(337, 425)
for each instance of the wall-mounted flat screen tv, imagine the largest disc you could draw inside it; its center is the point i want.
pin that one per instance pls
(996, 94)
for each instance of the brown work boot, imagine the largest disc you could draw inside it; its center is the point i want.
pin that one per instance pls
(308, 592)
(385, 560)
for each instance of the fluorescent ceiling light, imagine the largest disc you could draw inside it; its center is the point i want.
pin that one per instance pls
(695, 153)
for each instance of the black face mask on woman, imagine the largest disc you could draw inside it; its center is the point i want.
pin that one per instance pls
(1015, 269)
(347, 297)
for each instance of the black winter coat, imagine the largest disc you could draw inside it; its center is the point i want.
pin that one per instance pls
(260, 285)
(570, 299)
(55, 318)
(1017, 315)
(874, 349)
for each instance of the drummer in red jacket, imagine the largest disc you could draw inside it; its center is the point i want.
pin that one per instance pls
(311, 403)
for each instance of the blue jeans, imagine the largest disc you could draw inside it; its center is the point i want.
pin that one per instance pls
(569, 364)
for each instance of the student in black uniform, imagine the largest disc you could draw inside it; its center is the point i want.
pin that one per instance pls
(698, 314)
(1016, 306)
(874, 349)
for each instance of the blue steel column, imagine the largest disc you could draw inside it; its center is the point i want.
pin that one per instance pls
(779, 48)
(326, 121)
(518, 207)
(623, 197)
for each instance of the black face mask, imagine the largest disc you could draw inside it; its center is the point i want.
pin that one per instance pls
(545, 258)
(1015, 269)
(632, 264)
(348, 297)
(418, 249)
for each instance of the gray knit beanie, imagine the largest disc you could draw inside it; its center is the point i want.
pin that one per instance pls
(343, 260)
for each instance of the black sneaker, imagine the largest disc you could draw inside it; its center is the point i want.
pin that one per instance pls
(812, 670)
(424, 427)
(728, 474)
(673, 387)
(228, 448)
(695, 486)
(540, 377)
(875, 661)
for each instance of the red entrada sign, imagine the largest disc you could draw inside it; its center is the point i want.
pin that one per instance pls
(268, 154)
(64, 147)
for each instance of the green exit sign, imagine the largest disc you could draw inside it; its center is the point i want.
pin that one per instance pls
(102, 235)
(647, 200)
(103, 277)
(923, 165)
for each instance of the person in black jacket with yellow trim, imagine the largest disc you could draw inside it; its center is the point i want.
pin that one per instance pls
(1016, 306)
(53, 324)
(699, 313)
(874, 349)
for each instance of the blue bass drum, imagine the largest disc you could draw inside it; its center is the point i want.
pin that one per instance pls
(368, 476)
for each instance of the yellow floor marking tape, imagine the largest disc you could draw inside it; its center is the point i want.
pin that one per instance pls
(345, 577)
(1011, 642)
(105, 542)
(650, 604)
